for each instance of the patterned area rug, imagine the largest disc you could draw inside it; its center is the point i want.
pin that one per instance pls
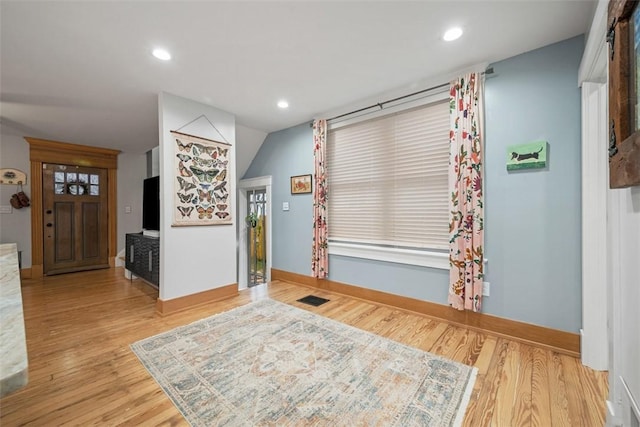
(268, 363)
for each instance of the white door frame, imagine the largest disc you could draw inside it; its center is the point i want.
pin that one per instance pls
(594, 333)
(263, 182)
(592, 76)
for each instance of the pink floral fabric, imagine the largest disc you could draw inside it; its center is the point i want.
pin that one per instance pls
(466, 203)
(319, 254)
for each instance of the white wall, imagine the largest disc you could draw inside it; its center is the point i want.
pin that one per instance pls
(132, 170)
(249, 142)
(16, 226)
(193, 259)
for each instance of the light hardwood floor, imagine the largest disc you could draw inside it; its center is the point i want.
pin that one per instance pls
(82, 372)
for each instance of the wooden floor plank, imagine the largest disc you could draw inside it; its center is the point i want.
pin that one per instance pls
(582, 391)
(507, 398)
(540, 391)
(482, 365)
(488, 394)
(82, 372)
(558, 394)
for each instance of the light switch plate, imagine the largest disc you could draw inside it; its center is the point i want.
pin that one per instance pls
(285, 206)
(486, 289)
(6, 209)
(127, 209)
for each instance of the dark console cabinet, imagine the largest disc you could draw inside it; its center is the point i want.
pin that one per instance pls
(143, 257)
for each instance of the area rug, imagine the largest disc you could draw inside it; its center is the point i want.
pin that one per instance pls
(271, 364)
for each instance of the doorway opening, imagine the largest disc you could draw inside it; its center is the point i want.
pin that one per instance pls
(41, 152)
(257, 237)
(254, 195)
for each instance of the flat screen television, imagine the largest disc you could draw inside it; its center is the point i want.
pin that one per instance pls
(151, 204)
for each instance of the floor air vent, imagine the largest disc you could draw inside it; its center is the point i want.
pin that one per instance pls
(313, 300)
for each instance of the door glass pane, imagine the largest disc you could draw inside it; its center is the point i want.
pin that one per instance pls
(59, 177)
(59, 188)
(73, 189)
(83, 178)
(95, 179)
(72, 177)
(257, 238)
(95, 190)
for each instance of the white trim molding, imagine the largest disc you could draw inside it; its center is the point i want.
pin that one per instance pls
(592, 77)
(592, 67)
(632, 403)
(400, 256)
(594, 334)
(243, 186)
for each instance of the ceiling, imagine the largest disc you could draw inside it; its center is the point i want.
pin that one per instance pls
(82, 72)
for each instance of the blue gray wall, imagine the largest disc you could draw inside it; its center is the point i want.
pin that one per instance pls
(533, 237)
(532, 217)
(284, 154)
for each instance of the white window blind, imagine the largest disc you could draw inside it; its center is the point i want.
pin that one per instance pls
(388, 179)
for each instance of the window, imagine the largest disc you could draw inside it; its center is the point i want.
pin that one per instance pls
(77, 184)
(388, 180)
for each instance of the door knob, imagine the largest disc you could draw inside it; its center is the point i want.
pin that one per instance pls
(49, 224)
(49, 211)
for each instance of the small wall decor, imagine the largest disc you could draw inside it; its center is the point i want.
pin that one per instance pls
(527, 156)
(301, 184)
(202, 181)
(12, 176)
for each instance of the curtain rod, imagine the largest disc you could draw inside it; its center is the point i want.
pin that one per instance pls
(381, 104)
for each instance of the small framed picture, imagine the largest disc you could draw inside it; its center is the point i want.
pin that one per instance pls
(301, 184)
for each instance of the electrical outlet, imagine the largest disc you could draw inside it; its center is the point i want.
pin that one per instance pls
(486, 288)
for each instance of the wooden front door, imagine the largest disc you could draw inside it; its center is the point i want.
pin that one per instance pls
(75, 217)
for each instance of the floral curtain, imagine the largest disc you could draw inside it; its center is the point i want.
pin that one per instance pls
(319, 255)
(466, 204)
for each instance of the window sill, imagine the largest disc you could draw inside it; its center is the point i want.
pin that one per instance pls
(430, 259)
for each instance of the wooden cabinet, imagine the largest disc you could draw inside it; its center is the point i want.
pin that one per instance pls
(143, 257)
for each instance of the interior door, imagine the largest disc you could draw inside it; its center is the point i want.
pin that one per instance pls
(257, 203)
(75, 218)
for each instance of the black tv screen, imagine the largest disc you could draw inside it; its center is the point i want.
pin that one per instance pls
(151, 204)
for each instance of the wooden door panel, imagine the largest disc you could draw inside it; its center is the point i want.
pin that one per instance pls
(75, 204)
(64, 225)
(91, 230)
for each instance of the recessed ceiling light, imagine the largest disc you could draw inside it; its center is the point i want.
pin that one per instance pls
(452, 34)
(161, 54)
(283, 104)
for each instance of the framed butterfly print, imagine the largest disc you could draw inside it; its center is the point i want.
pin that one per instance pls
(202, 181)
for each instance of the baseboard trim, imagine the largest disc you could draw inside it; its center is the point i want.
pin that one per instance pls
(561, 341)
(25, 273)
(164, 307)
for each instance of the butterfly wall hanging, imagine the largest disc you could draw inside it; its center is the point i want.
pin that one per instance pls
(202, 181)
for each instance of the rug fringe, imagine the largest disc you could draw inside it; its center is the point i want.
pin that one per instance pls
(466, 397)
